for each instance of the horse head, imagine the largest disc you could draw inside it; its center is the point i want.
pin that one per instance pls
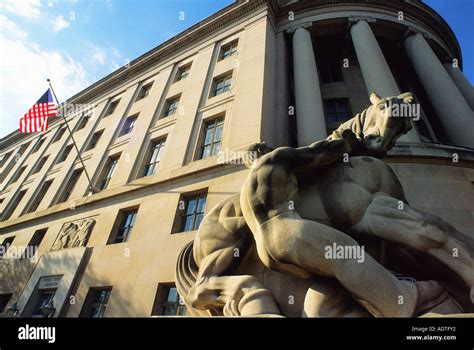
(385, 121)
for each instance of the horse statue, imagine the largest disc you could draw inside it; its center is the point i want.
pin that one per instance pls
(297, 204)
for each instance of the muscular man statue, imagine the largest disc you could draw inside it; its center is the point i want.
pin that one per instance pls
(288, 243)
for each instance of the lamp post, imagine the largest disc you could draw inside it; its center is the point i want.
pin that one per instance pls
(13, 310)
(48, 310)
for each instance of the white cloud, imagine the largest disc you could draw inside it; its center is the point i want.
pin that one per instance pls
(59, 23)
(24, 8)
(9, 28)
(99, 57)
(24, 67)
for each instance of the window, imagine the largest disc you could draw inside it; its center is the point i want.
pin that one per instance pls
(144, 91)
(221, 84)
(171, 106)
(108, 172)
(128, 125)
(18, 174)
(125, 221)
(154, 157)
(9, 211)
(4, 299)
(33, 244)
(65, 153)
(168, 302)
(211, 143)
(228, 50)
(76, 174)
(337, 111)
(23, 148)
(82, 124)
(191, 217)
(96, 302)
(183, 72)
(95, 140)
(331, 71)
(59, 134)
(111, 109)
(40, 165)
(4, 159)
(39, 196)
(7, 242)
(45, 293)
(38, 145)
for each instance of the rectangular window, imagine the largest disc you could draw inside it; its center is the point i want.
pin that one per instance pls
(128, 125)
(59, 134)
(112, 107)
(144, 91)
(331, 71)
(221, 85)
(183, 72)
(76, 174)
(171, 105)
(108, 172)
(23, 148)
(7, 242)
(38, 145)
(337, 111)
(33, 244)
(4, 159)
(4, 299)
(40, 165)
(154, 157)
(65, 154)
(17, 175)
(124, 225)
(9, 210)
(211, 143)
(44, 295)
(228, 50)
(95, 140)
(96, 302)
(190, 218)
(82, 124)
(39, 196)
(168, 302)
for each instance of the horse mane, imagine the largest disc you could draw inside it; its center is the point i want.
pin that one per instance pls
(356, 124)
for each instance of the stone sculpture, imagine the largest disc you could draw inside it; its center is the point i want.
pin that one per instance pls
(299, 203)
(74, 234)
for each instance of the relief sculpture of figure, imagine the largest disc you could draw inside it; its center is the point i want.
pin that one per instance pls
(296, 202)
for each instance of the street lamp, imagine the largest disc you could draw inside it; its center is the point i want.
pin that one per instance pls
(48, 310)
(13, 310)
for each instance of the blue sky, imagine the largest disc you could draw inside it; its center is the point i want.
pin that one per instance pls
(77, 42)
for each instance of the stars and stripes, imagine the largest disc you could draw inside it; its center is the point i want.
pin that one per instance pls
(36, 119)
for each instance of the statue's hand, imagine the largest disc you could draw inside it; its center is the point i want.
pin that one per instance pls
(350, 138)
(356, 146)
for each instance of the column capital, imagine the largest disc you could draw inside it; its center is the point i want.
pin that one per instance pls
(305, 25)
(355, 19)
(410, 31)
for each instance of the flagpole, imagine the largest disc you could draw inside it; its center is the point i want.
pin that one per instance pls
(91, 187)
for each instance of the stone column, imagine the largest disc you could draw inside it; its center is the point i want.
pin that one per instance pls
(462, 83)
(454, 112)
(374, 67)
(311, 123)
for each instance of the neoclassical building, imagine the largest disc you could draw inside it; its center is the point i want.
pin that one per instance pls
(157, 143)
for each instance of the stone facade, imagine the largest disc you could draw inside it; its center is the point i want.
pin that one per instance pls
(270, 71)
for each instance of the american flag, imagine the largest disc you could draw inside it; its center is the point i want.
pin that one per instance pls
(36, 119)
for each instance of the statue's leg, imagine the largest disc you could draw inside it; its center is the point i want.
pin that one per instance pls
(392, 220)
(241, 295)
(289, 244)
